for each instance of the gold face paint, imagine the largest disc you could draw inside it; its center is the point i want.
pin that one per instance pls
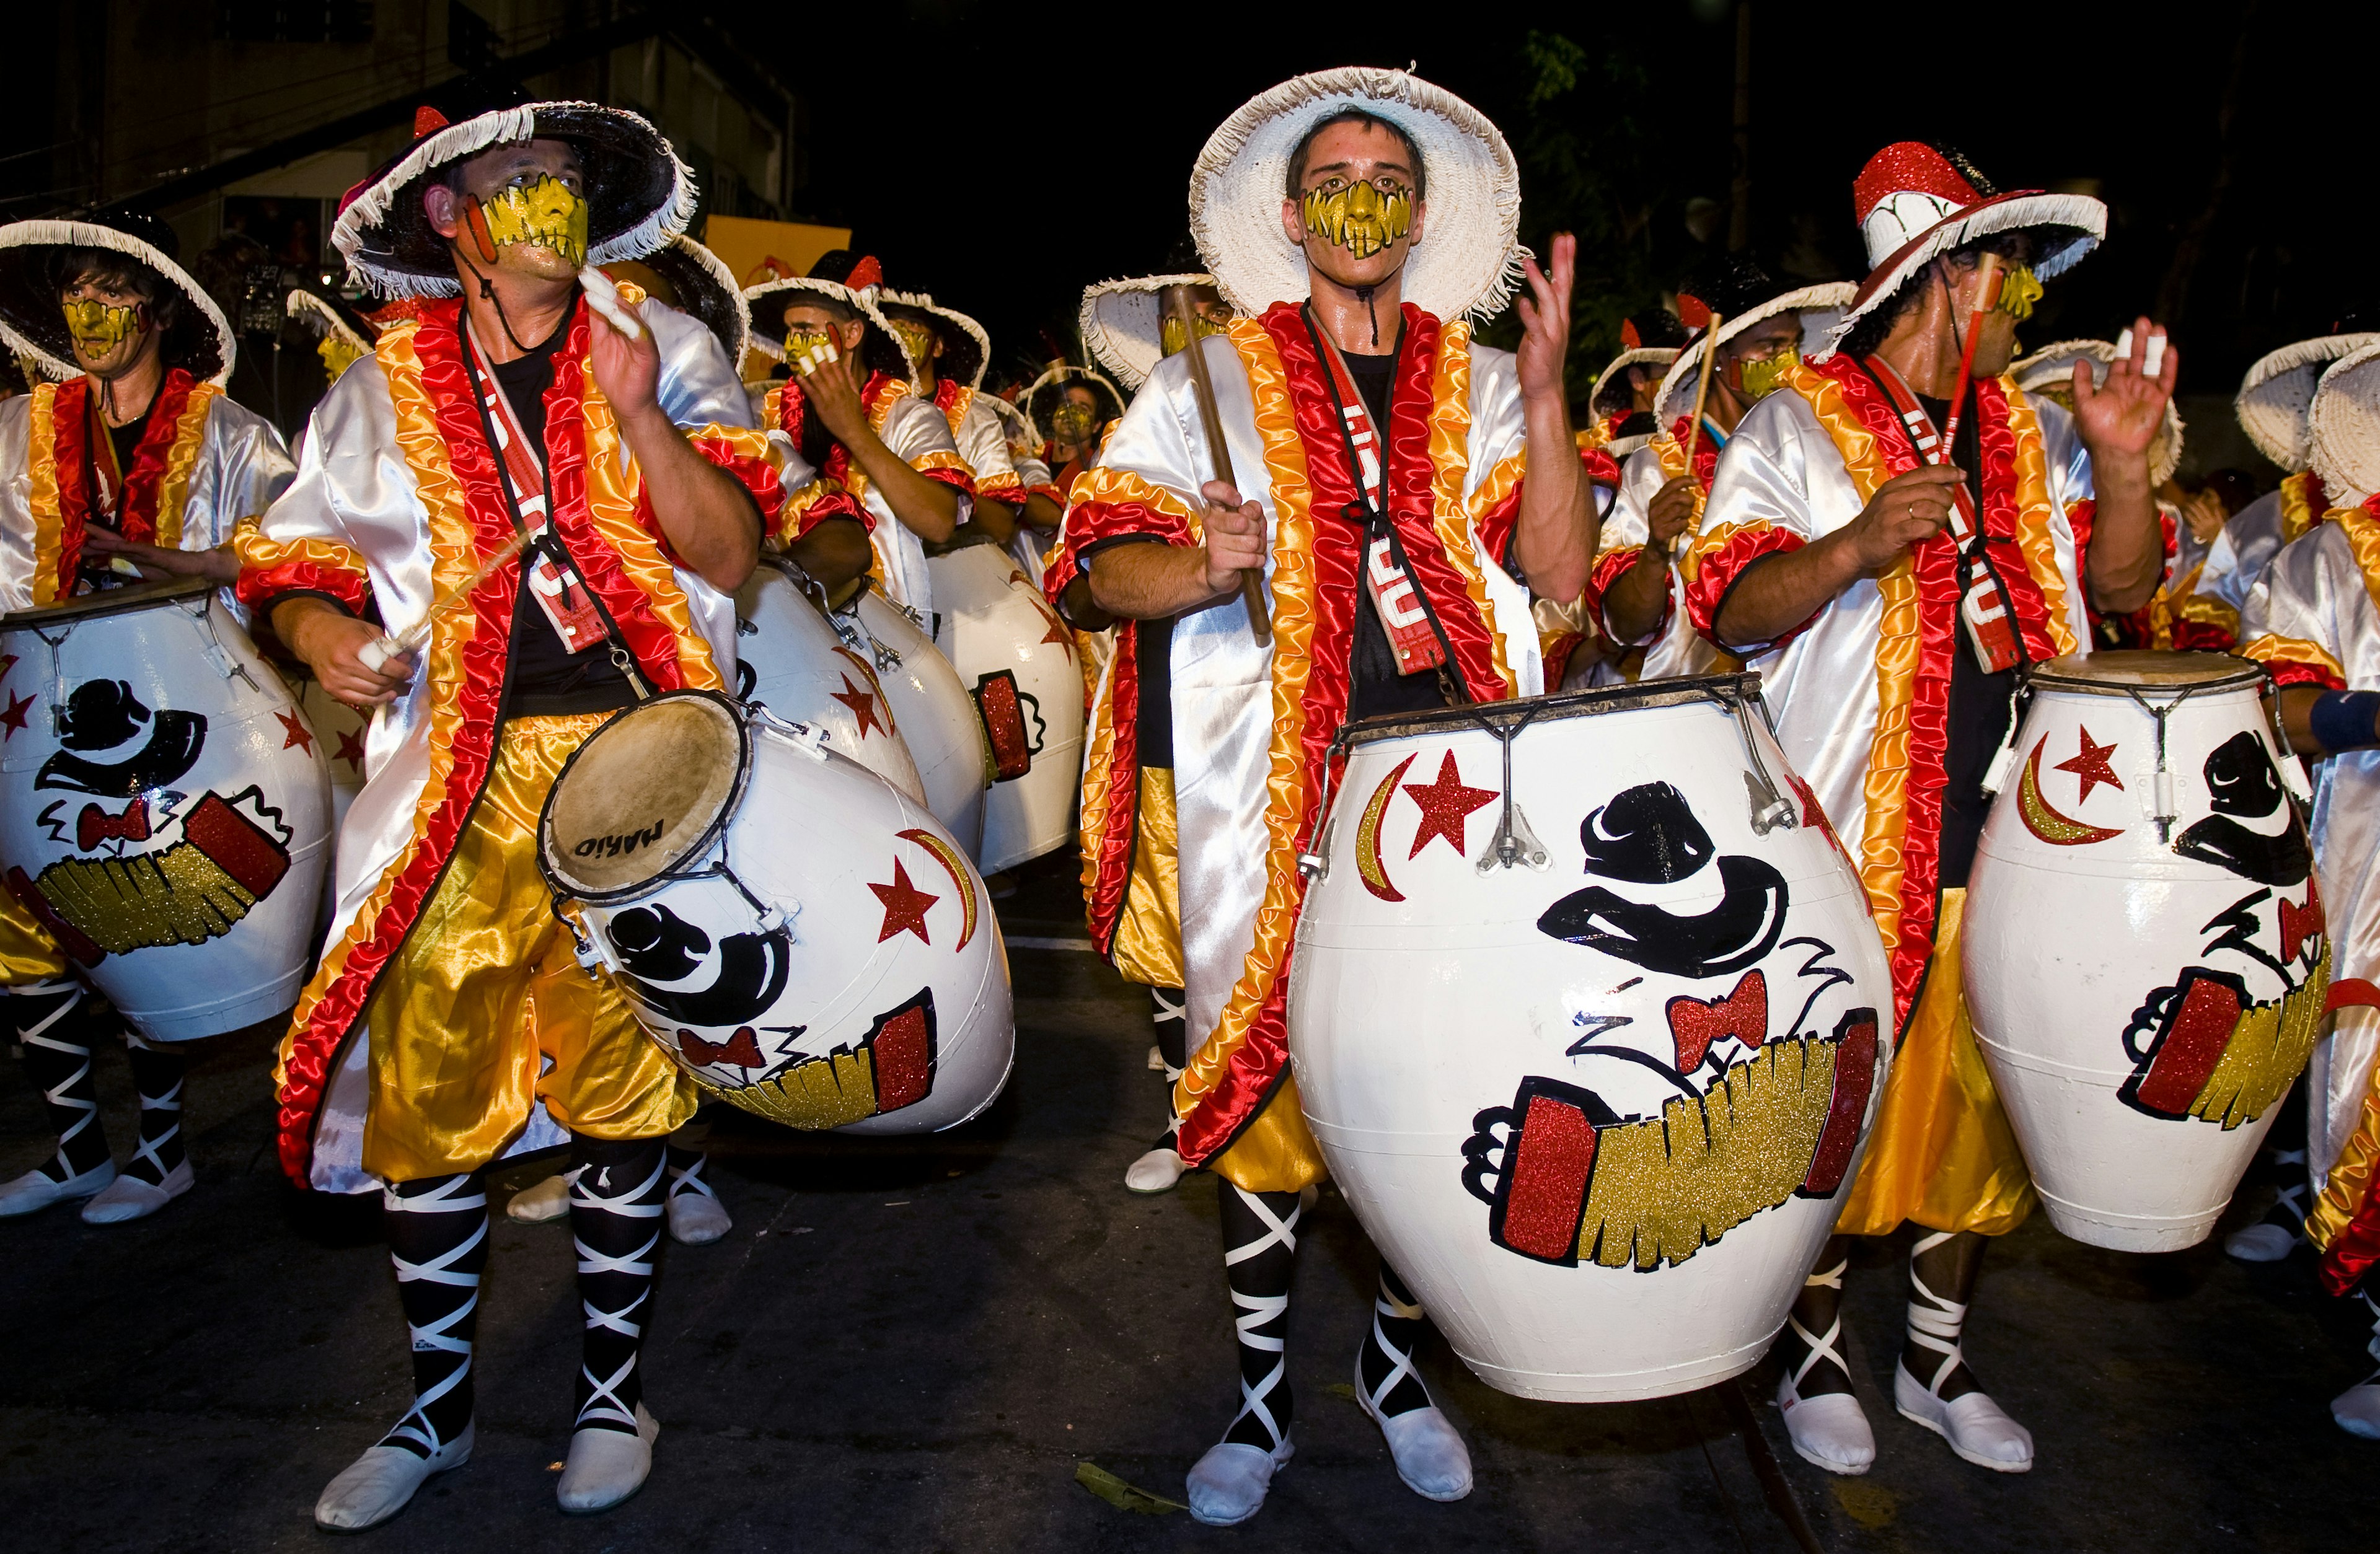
(2019, 289)
(805, 343)
(918, 341)
(1762, 377)
(99, 327)
(1169, 331)
(1361, 218)
(338, 354)
(1073, 423)
(545, 212)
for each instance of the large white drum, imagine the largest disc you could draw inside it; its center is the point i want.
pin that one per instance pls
(809, 944)
(2144, 957)
(1017, 658)
(1584, 1013)
(937, 716)
(791, 661)
(343, 730)
(164, 805)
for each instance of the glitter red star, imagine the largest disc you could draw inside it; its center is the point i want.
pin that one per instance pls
(13, 719)
(905, 905)
(2091, 766)
(1445, 804)
(299, 734)
(351, 750)
(862, 704)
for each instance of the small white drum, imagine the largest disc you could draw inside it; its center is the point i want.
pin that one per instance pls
(791, 661)
(1586, 1013)
(1017, 658)
(937, 716)
(164, 805)
(2144, 956)
(809, 944)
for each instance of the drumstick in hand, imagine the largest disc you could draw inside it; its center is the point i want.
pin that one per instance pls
(1988, 276)
(1702, 397)
(1203, 387)
(412, 639)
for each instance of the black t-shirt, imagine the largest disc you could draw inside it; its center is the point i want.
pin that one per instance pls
(545, 679)
(127, 439)
(1373, 683)
(1980, 704)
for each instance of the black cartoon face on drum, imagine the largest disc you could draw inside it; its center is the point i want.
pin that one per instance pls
(112, 747)
(733, 983)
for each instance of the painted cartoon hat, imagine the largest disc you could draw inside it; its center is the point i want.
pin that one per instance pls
(1651, 338)
(1740, 293)
(967, 350)
(1123, 323)
(200, 341)
(2278, 393)
(1468, 262)
(2051, 371)
(857, 280)
(1915, 202)
(697, 283)
(2343, 427)
(639, 194)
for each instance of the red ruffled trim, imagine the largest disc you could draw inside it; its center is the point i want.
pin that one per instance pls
(1557, 652)
(957, 479)
(1997, 440)
(70, 444)
(2354, 1251)
(748, 470)
(1610, 567)
(1725, 563)
(2201, 636)
(148, 472)
(833, 504)
(1112, 850)
(2292, 671)
(1705, 451)
(1601, 468)
(262, 588)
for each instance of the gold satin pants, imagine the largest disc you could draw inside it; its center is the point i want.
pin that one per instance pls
(486, 1011)
(28, 953)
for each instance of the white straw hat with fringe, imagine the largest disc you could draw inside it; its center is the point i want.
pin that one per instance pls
(966, 348)
(2343, 428)
(880, 349)
(201, 340)
(1467, 262)
(2050, 371)
(1676, 397)
(706, 291)
(2279, 391)
(1123, 323)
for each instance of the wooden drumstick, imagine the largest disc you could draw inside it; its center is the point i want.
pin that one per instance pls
(1702, 397)
(1177, 300)
(374, 654)
(1986, 298)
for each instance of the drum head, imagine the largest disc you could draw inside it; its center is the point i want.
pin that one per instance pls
(2131, 669)
(647, 791)
(1727, 690)
(109, 601)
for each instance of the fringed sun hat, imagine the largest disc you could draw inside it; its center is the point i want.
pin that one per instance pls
(200, 341)
(839, 276)
(2051, 372)
(2343, 427)
(1651, 338)
(1468, 261)
(1123, 324)
(967, 350)
(2279, 391)
(1040, 396)
(1915, 202)
(342, 336)
(639, 194)
(1741, 297)
(697, 283)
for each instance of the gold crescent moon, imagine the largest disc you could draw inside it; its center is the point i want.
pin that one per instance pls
(2032, 805)
(1367, 836)
(948, 857)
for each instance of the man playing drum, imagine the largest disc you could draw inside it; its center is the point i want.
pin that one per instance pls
(450, 1021)
(1888, 593)
(135, 464)
(1351, 218)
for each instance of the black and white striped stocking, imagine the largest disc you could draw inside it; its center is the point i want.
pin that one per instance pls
(1259, 1260)
(618, 1191)
(686, 1173)
(437, 1230)
(55, 1030)
(1169, 1019)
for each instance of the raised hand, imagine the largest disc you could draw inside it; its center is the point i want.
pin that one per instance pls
(2121, 416)
(628, 371)
(1545, 321)
(832, 389)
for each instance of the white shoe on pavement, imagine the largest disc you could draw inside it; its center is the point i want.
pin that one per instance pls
(129, 1198)
(606, 1466)
(542, 1203)
(1228, 1485)
(35, 1191)
(377, 1485)
(1156, 1172)
(1976, 1427)
(697, 1219)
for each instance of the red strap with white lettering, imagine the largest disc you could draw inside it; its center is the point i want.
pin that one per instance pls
(1395, 597)
(569, 608)
(1983, 606)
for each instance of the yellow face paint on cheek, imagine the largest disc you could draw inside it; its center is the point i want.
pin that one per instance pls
(917, 340)
(547, 213)
(1169, 331)
(2019, 289)
(809, 345)
(99, 327)
(1361, 218)
(1073, 423)
(1762, 377)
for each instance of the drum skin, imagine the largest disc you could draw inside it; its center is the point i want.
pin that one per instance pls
(175, 834)
(790, 660)
(1680, 1026)
(937, 717)
(1016, 659)
(879, 1005)
(2143, 1004)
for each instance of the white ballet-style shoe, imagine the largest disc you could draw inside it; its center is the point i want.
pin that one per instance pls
(377, 1485)
(35, 1191)
(1430, 1453)
(606, 1467)
(2279, 1233)
(129, 1198)
(1828, 1429)
(542, 1204)
(2358, 1410)
(1156, 1172)
(697, 1219)
(1229, 1483)
(2260, 1243)
(1978, 1430)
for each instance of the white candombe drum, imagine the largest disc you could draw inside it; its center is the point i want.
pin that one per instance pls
(791, 661)
(1017, 659)
(937, 716)
(343, 730)
(164, 805)
(2144, 952)
(809, 944)
(1597, 1082)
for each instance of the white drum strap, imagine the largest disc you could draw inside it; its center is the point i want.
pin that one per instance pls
(1935, 1323)
(604, 1402)
(1821, 1346)
(455, 1195)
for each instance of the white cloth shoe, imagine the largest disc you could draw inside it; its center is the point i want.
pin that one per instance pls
(34, 1191)
(2260, 1243)
(129, 1198)
(1828, 1429)
(1976, 1427)
(1156, 1172)
(606, 1466)
(547, 1201)
(1228, 1485)
(1430, 1453)
(697, 1219)
(377, 1485)
(2358, 1410)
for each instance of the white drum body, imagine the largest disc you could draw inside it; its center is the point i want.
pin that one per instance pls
(808, 942)
(2144, 995)
(1598, 1107)
(343, 730)
(1016, 659)
(937, 716)
(789, 659)
(164, 806)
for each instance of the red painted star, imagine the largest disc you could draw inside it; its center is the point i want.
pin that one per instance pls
(13, 719)
(351, 750)
(905, 905)
(2091, 766)
(1445, 804)
(295, 727)
(862, 704)
(7, 663)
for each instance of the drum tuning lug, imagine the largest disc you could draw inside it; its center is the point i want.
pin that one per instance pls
(1770, 808)
(1314, 863)
(1313, 866)
(1515, 843)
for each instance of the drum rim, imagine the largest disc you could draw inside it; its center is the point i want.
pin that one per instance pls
(1731, 691)
(682, 868)
(107, 601)
(2249, 673)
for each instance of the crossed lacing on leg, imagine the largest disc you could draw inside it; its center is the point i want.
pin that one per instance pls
(614, 1285)
(1260, 1289)
(1169, 1019)
(157, 1078)
(1391, 1382)
(1934, 1323)
(686, 1173)
(435, 1211)
(61, 1065)
(1821, 1346)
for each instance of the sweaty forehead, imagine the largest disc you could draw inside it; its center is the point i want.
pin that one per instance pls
(501, 161)
(809, 315)
(1355, 150)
